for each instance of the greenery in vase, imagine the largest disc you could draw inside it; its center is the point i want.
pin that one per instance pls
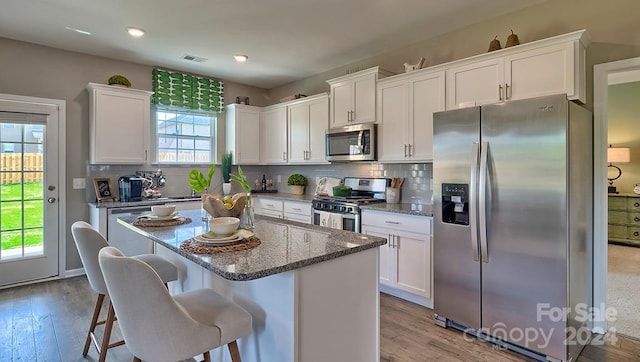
(198, 181)
(241, 179)
(297, 180)
(227, 160)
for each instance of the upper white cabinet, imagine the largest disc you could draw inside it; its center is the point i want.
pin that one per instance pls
(273, 125)
(353, 97)
(118, 124)
(308, 121)
(405, 111)
(243, 133)
(550, 66)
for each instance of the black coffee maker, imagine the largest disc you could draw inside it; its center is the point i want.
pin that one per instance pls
(130, 187)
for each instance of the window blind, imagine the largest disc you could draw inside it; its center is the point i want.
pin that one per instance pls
(174, 89)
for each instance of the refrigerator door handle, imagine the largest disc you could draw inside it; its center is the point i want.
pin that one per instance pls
(473, 200)
(482, 200)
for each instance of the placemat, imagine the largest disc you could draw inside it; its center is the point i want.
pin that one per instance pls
(157, 223)
(195, 247)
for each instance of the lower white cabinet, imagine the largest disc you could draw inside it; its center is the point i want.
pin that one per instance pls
(405, 261)
(270, 207)
(297, 211)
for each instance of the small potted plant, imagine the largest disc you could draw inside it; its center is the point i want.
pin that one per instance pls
(227, 160)
(296, 183)
(119, 80)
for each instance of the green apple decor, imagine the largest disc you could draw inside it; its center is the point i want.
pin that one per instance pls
(119, 80)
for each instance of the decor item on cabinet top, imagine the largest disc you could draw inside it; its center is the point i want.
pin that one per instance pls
(411, 67)
(198, 181)
(325, 186)
(242, 100)
(512, 40)
(296, 183)
(292, 97)
(495, 44)
(119, 80)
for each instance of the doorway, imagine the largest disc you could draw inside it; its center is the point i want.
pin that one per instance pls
(31, 168)
(603, 75)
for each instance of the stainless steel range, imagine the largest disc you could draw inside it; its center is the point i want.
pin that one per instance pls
(344, 212)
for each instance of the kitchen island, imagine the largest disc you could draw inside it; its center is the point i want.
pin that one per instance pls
(313, 292)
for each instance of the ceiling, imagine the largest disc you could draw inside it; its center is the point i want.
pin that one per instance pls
(286, 40)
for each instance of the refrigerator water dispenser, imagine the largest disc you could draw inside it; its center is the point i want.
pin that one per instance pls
(455, 203)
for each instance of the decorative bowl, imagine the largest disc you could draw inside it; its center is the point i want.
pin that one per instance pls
(224, 225)
(215, 206)
(163, 210)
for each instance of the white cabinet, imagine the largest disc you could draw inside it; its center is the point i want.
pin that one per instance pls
(550, 66)
(273, 135)
(353, 97)
(118, 124)
(308, 121)
(405, 261)
(405, 111)
(270, 207)
(297, 211)
(243, 133)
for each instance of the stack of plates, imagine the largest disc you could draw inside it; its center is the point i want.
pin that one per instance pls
(152, 217)
(213, 239)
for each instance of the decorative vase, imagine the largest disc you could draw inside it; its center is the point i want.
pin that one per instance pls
(296, 189)
(226, 188)
(246, 221)
(204, 215)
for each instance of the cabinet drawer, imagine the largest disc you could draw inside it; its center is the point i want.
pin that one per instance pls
(633, 219)
(299, 208)
(633, 233)
(270, 205)
(617, 232)
(395, 221)
(617, 217)
(618, 203)
(633, 204)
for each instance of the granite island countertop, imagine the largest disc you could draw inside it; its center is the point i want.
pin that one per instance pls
(402, 208)
(286, 245)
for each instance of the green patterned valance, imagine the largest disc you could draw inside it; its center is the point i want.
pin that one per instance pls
(180, 90)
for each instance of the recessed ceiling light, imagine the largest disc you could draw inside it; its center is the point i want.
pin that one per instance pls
(135, 32)
(78, 30)
(241, 58)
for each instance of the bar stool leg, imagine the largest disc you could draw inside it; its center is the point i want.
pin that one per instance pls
(94, 322)
(107, 333)
(233, 350)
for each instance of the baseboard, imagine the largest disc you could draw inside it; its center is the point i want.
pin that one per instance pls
(407, 296)
(73, 272)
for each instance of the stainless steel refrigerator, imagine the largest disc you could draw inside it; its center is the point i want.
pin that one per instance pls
(513, 224)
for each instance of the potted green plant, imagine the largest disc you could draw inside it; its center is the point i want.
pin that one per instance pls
(119, 80)
(200, 182)
(227, 160)
(296, 183)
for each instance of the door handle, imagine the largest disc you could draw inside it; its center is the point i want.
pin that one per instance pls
(410, 149)
(506, 91)
(405, 150)
(499, 92)
(390, 241)
(392, 222)
(284, 156)
(473, 198)
(51, 200)
(482, 197)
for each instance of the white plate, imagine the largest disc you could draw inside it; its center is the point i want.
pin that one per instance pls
(151, 216)
(212, 239)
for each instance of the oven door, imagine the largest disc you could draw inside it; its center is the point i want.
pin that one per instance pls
(351, 143)
(350, 222)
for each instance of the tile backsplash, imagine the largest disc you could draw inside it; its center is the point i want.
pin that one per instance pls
(417, 187)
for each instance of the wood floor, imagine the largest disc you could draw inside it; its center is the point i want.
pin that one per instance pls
(48, 322)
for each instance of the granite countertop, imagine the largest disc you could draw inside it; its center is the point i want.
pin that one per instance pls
(145, 202)
(284, 196)
(402, 208)
(286, 245)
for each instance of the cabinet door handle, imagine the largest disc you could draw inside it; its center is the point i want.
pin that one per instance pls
(284, 156)
(506, 91)
(635, 233)
(410, 153)
(390, 241)
(392, 222)
(636, 204)
(636, 219)
(296, 209)
(405, 150)
(499, 92)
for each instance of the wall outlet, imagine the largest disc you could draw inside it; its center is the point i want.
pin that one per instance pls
(79, 183)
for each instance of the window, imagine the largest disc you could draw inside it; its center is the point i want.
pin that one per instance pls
(184, 136)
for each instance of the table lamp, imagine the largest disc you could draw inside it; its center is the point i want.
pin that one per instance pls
(617, 155)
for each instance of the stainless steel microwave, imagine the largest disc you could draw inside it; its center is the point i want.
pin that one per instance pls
(352, 143)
